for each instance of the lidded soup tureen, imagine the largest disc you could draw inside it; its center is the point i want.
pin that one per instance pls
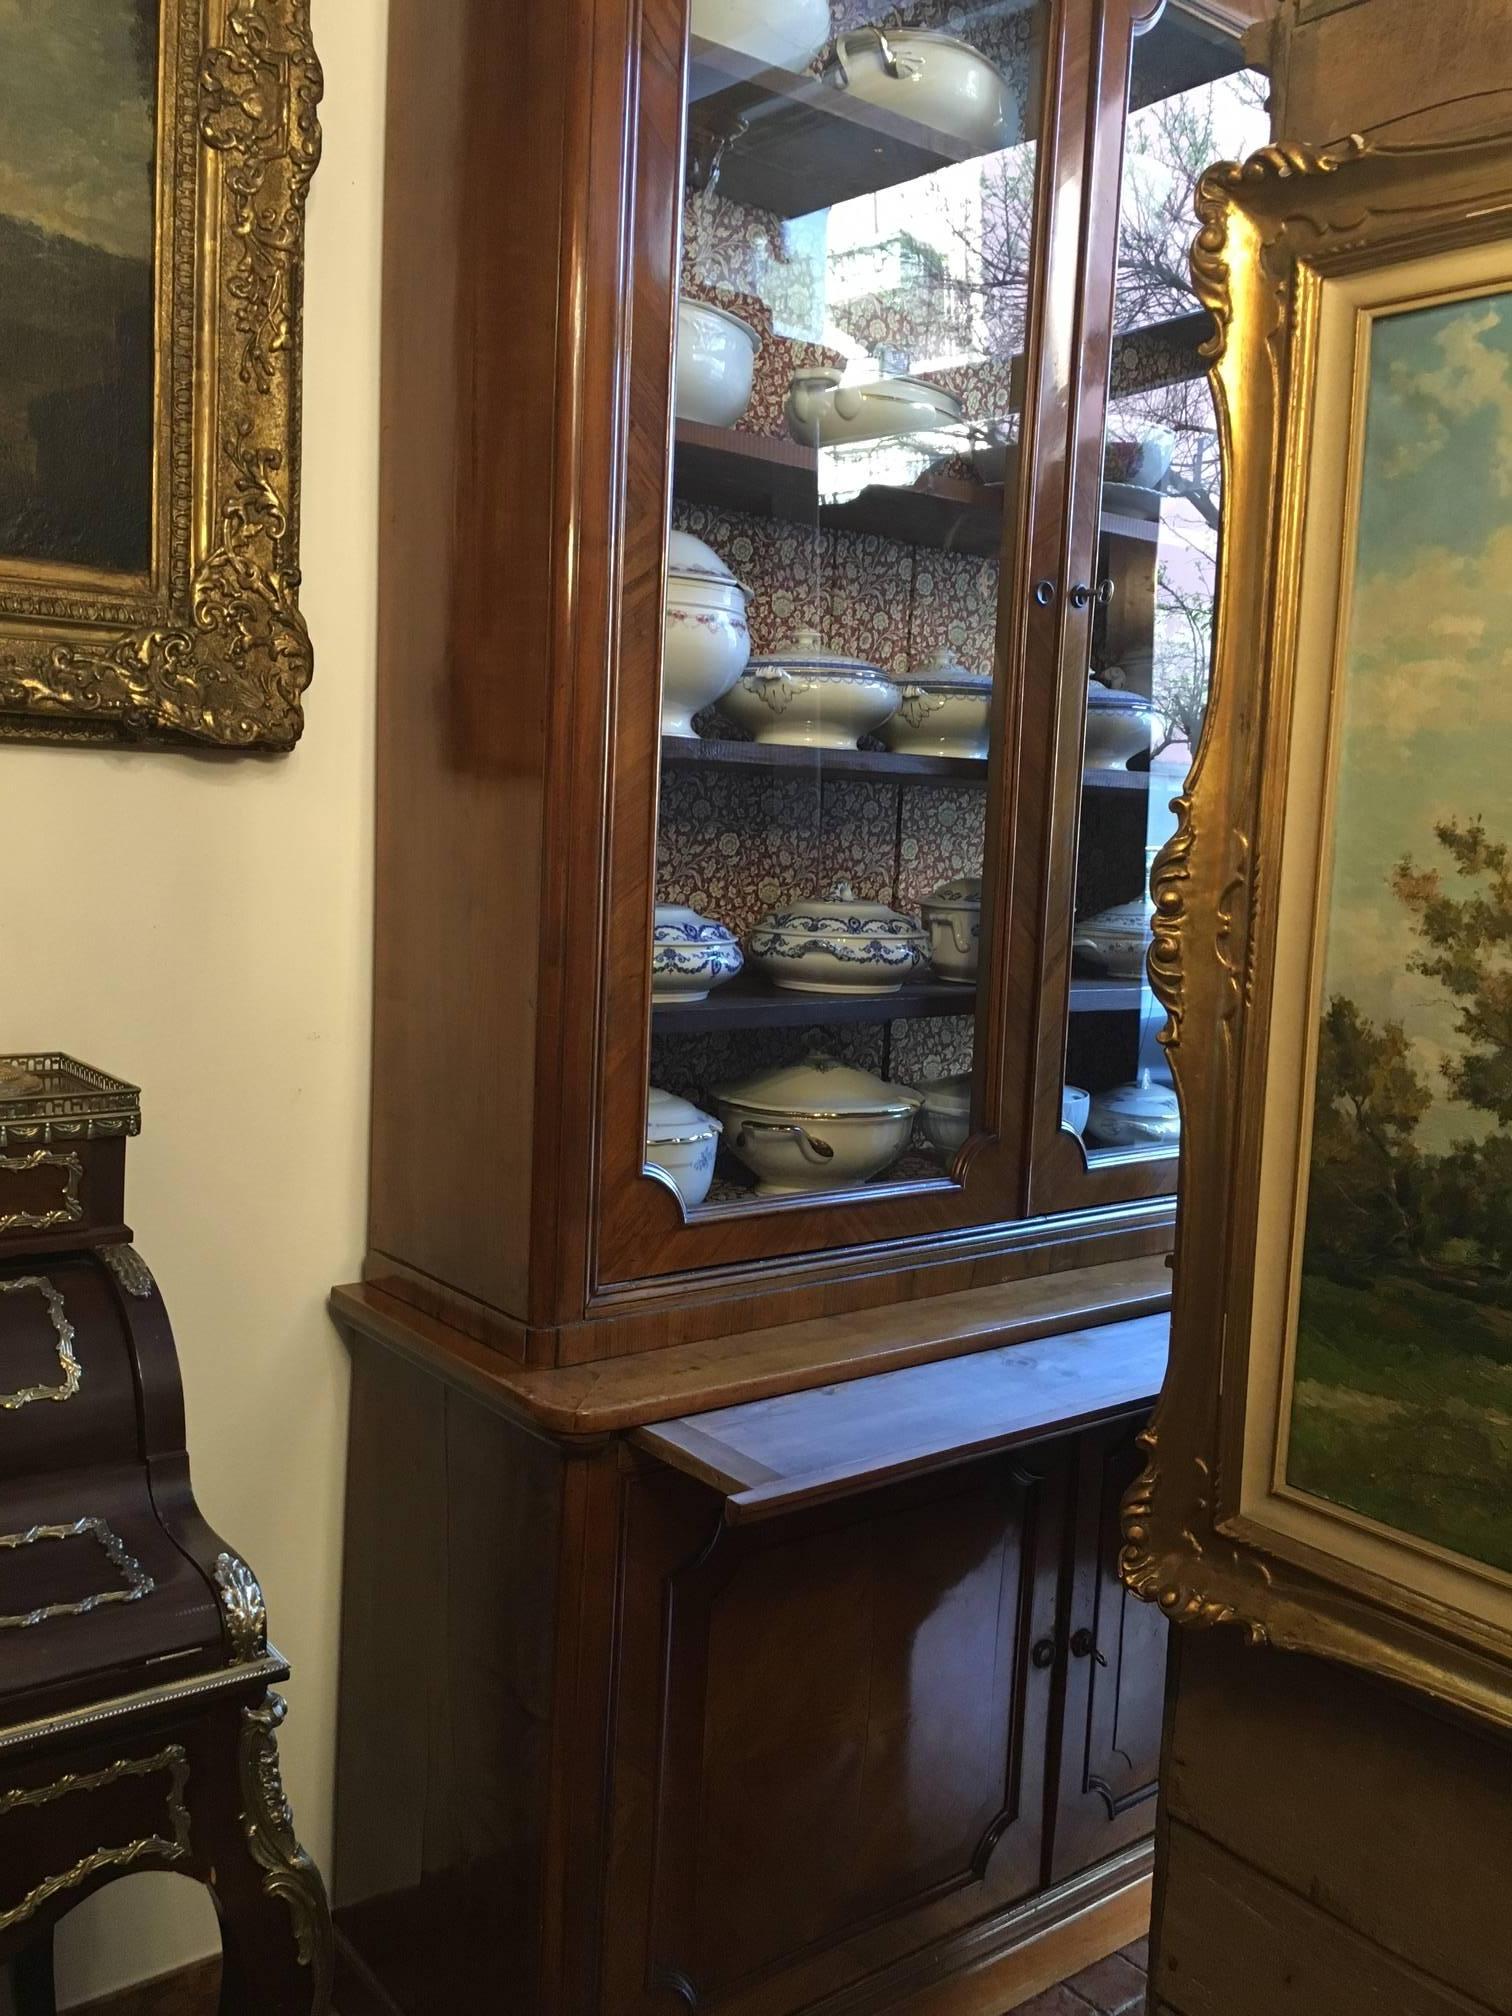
(716, 363)
(1144, 1114)
(1115, 941)
(935, 79)
(690, 954)
(953, 919)
(807, 697)
(818, 1125)
(945, 710)
(682, 1141)
(1118, 722)
(947, 1114)
(837, 944)
(706, 643)
(822, 411)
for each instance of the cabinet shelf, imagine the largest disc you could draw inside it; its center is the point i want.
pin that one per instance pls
(751, 1003)
(711, 752)
(804, 145)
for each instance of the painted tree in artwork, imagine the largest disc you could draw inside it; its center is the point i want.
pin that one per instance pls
(1366, 1188)
(1467, 948)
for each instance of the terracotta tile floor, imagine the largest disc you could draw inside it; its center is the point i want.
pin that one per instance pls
(1116, 1986)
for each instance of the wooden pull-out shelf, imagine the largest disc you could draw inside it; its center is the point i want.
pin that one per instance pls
(771, 1456)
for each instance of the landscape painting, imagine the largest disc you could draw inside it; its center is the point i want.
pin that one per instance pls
(1401, 1406)
(77, 171)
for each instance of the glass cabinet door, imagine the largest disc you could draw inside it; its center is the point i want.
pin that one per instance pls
(862, 250)
(1139, 621)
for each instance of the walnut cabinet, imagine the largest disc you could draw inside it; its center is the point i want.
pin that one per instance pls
(732, 1618)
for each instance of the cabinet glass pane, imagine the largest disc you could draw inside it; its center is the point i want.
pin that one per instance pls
(1157, 556)
(855, 291)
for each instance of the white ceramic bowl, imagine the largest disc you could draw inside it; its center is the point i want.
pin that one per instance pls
(690, 954)
(806, 697)
(706, 643)
(837, 944)
(947, 1115)
(953, 918)
(944, 709)
(821, 411)
(1116, 941)
(1141, 1115)
(936, 80)
(786, 34)
(1138, 454)
(1118, 726)
(682, 1141)
(716, 359)
(818, 1125)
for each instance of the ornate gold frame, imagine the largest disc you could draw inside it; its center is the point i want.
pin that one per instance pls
(1274, 232)
(211, 646)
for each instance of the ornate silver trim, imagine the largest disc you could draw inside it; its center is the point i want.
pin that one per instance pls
(243, 1608)
(173, 1761)
(268, 1824)
(69, 1212)
(130, 1269)
(138, 1582)
(68, 1362)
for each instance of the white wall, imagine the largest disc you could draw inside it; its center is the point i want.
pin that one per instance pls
(203, 928)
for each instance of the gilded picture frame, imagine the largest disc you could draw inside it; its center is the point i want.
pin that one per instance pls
(1325, 1470)
(198, 638)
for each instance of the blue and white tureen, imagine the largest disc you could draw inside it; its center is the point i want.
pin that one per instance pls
(682, 1141)
(690, 954)
(837, 944)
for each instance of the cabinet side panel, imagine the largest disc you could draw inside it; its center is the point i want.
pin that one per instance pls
(471, 309)
(447, 1677)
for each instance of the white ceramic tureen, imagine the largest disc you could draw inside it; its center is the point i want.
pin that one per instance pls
(837, 944)
(706, 643)
(786, 34)
(806, 696)
(1075, 1106)
(690, 954)
(953, 919)
(936, 80)
(682, 1141)
(818, 1125)
(945, 710)
(1142, 1115)
(1137, 452)
(821, 411)
(1118, 723)
(716, 360)
(947, 1114)
(1116, 941)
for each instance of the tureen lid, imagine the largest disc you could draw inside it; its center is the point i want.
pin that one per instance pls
(670, 1119)
(1143, 1099)
(965, 890)
(1106, 689)
(820, 1088)
(1123, 919)
(676, 920)
(690, 559)
(845, 914)
(806, 652)
(951, 1096)
(944, 673)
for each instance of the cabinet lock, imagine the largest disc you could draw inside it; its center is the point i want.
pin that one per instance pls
(1081, 595)
(1084, 1645)
(1042, 1653)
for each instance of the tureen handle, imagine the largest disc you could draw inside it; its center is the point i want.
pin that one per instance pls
(809, 1145)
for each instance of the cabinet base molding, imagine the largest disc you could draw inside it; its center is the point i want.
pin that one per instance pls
(187, 1991)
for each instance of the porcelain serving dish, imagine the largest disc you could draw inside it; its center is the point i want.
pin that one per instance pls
(818, 1125)
(953, 918)
(1118, 725)
(947, 1115)
(821, 411)
(716, 362)
(1115, 941)
(690, 954)
(805, 696)
(936, 80)
(786, 34)
(1137, 453)
(706, 643)
(837, 944)
(682, 1141)
(1075, 1106)
(944, 709)
(1141, 1115)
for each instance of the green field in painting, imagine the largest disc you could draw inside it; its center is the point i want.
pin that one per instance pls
(1403, 1410)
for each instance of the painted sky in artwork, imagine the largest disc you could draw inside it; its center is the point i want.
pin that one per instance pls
(76, 121)
(1428, 697)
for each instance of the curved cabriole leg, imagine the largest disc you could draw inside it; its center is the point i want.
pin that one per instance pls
(275, 1921)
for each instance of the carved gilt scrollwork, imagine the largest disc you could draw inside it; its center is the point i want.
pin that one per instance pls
(289, 1873)
(243, 1608)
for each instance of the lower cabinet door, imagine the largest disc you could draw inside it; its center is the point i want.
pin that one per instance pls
(830, 1732)
(1115, 1673)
